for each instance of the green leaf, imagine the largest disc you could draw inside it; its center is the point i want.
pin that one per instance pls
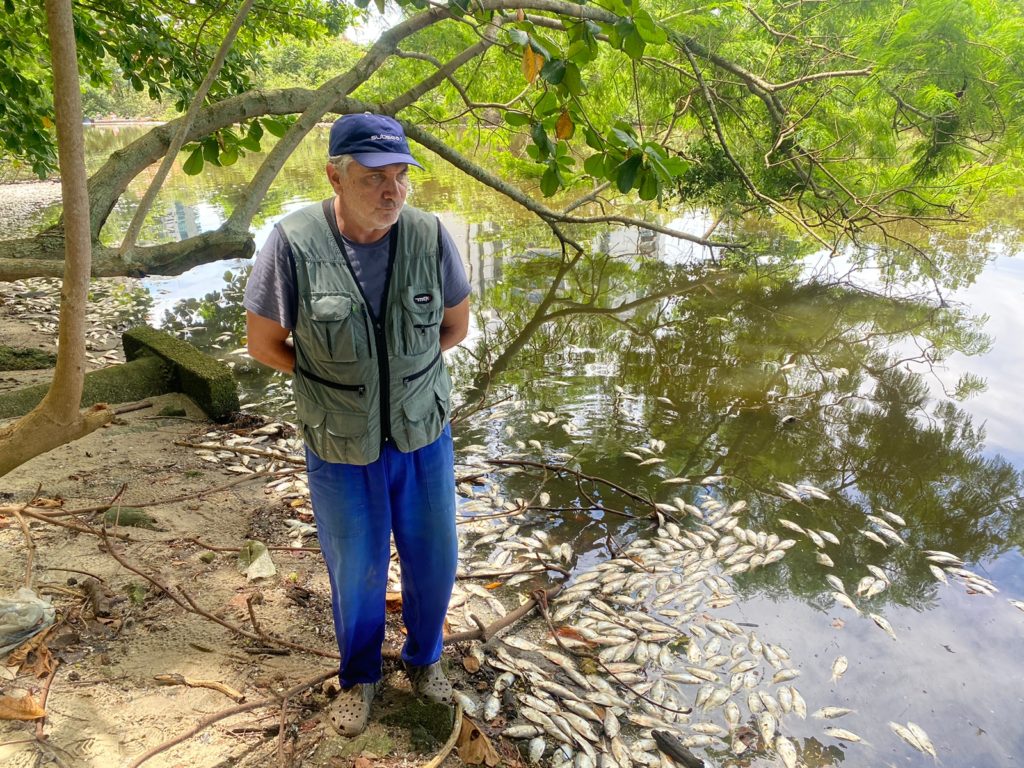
(255, 130)
(549, 182)
(573, 81)
(249, 143)
(594, 141)
(676, 166)
(648, 28)
(228, 156)
(540, 138)
(380, 5)
(274, 126)
(516, 119)
(648, 185)
(458, 8)
(194, 164)
(627, 171)
(634, 45)
(625, 137)
(594, 165)
(210, 149)
(546, 104)
(553, 71)
(518, 37)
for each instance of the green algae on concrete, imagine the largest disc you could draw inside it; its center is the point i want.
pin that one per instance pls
(25, 359)
(209, 382)
(126, 383)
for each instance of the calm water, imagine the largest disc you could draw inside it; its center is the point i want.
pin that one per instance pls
(792, 369)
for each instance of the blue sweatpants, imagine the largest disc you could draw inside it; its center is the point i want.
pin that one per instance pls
(357, 509)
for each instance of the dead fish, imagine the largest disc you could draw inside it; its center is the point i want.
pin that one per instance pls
(786, 751)
(766, 724)
(904, 733)
(535, 749)
(785, 675)
(922, 739)
(824, 560)
(799, 705)
(873, 537)
(830, 713)
(843, 735)
(844, 600)
(839, 666)
(884, 625)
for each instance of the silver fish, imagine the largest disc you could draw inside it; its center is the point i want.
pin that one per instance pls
(829, 713)
(839, 666)
(785, 749)
(843, 735)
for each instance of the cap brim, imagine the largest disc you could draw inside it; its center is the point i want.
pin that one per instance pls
(377, 159)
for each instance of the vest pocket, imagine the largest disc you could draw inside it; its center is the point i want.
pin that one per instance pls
(421, 319)
(335, 435)
(334, 317)
(425, 416)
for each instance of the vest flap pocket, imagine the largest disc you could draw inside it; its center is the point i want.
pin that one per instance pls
(310, 414)
(346, 423)
(418, 408)
(421, 300)
(331, 307)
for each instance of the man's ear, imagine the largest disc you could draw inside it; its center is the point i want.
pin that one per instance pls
(333, 176)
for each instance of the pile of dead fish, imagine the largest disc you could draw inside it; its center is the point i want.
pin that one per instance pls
(638, 654)
(114, 306)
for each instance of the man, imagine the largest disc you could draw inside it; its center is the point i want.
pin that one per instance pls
(357, 297)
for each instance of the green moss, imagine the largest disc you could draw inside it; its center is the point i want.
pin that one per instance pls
(132, 517)
(428, 724)
(207, 381)
(25, 359)
(374, 739)
(117, 384)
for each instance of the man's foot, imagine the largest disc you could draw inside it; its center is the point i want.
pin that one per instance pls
(430, 683)
(349, 712)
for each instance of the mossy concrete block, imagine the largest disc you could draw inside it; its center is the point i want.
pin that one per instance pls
(25, 359)
(137, 380)
(208, 382)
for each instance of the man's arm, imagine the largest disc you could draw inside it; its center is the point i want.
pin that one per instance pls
(268, 342)
(454, 324)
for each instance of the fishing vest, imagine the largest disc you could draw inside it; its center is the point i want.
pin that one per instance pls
(359, 382)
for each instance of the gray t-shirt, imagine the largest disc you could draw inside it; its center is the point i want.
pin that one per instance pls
(272, 293)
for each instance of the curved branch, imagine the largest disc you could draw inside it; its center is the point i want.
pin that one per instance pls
(549, 215)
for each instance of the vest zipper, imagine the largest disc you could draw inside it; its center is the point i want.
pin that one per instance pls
(360, 388)
(424, 372)
(366, 326)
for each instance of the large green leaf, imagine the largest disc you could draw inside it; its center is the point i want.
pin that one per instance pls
(193, 166)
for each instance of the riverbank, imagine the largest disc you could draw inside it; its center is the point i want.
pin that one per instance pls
(157, 626)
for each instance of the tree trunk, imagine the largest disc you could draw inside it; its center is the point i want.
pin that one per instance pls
(57, 419)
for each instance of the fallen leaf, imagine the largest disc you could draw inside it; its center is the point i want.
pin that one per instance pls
(24, 708)
(493, 585)
(393, 602)
(571, 634)
(474, 746)
(471, 664)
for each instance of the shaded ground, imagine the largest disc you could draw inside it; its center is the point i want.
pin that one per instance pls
(104, 705)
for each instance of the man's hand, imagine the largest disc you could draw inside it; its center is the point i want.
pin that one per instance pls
(454, 324)
(269, 342)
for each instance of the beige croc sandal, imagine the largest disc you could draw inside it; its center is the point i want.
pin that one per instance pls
(349, 712)
(431, 683)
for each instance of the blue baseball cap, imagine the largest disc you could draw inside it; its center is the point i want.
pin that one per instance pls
(373, 140)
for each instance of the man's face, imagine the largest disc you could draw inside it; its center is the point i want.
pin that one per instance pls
(370, 198)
